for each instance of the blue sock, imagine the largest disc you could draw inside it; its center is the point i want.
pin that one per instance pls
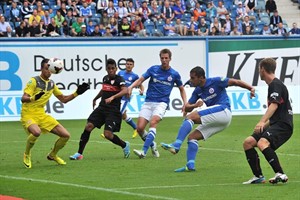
(131, 122)
(184, 130)
(191, 153)
(149, 139)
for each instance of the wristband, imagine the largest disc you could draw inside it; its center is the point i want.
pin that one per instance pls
(75, 94)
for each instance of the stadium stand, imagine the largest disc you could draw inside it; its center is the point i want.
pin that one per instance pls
(288, 9)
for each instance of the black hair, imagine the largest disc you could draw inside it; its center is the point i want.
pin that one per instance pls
(45, 60)
(111, 61)
(130, 60)
(198, 71)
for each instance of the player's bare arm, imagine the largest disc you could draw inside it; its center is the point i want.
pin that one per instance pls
(135, 84)
(240, 83)
(265, 118)
(99, 95)
(183, 97)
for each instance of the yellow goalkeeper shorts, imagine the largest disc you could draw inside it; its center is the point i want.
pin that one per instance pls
(43, 120)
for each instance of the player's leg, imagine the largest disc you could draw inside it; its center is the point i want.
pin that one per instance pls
(211, 124)
(272, 139)
(253, 159)
(113, 122)
(96, 119)
(191, 151)
(183, 131)
(149, 141)
(64, 136)
(154, 113)
(34, 132)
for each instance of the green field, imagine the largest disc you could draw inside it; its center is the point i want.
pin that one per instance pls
(221, 167)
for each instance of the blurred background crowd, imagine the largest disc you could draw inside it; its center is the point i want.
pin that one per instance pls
(139, 18)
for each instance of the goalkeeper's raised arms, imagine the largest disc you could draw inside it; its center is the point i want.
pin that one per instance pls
(82, 88)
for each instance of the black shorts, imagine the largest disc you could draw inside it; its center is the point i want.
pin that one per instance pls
(277, 134)
(111, 118)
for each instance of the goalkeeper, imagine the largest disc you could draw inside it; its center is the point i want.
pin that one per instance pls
(33, 117)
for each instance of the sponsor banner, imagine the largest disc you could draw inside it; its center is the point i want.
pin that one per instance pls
(81, 107)
(240, 60)
(85, 60)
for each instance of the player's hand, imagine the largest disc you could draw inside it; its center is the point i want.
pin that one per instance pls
(141, 92)
(37, 96)
(252, 93)
(82, 88)
(199, 103)
(259, 128)
(109, 100)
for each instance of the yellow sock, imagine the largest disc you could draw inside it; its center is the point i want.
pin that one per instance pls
(59, 144)
(31, 139)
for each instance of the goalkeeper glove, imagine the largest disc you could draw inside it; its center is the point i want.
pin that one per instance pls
(37, 96)
(82, 88)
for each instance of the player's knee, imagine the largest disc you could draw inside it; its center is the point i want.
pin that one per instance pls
(262, 144)
(249, 143)
(89, 127)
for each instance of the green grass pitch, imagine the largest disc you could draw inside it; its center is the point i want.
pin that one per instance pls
(221, 166)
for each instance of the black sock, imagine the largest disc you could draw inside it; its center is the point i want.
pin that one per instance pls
(254, 162)
(116, 140)
(85, 136)
(272, 158)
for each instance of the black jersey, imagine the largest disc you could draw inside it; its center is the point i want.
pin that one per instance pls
(278, 93)
(110, 87)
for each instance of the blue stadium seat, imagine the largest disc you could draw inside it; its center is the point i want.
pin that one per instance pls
(186, 17)
(257, 31)
(265, 19)
(149, 27)
(160, 25)
(260, 24)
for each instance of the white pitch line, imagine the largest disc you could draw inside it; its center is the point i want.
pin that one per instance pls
(88, 187)
(187, 186)
(200, 148)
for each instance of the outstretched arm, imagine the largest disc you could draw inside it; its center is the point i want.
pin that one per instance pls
(240, 83)
(135, 84)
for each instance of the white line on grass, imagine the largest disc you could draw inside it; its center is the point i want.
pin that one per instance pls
(88, 187)
(200, 148)
(186, 186)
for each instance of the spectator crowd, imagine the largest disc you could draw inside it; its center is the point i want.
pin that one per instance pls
(136, 18)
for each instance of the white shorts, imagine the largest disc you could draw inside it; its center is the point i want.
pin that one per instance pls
(123, 106)
(214, 119)
(153, 108)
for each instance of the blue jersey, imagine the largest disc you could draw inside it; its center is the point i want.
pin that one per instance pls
(129, 79)
(161, 83)
(212, 93)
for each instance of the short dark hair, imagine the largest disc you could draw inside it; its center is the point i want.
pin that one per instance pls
(163, 51)
(198, 71)
(269, 64)
(45, 60)
(111, 61)
(130, 60)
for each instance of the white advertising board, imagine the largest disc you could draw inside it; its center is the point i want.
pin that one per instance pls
(244, 65)
(85, 60)
(81, 107)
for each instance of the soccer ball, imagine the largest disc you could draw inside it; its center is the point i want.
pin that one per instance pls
(55, 65)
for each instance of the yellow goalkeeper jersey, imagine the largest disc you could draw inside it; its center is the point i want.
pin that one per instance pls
(34, 86)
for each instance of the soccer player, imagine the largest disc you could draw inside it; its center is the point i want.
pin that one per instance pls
(129, 77)
(213, 118)
(274, 128)
(108, 112)
(33, 117)
(162, 80)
